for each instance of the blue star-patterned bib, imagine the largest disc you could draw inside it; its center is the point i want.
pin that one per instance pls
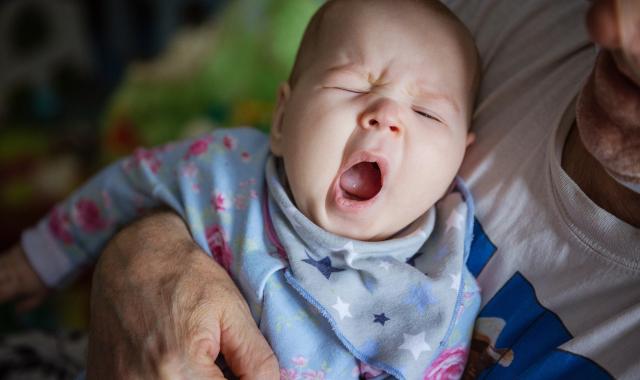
(392, 304)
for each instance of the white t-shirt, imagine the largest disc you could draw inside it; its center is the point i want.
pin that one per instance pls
(560, 276)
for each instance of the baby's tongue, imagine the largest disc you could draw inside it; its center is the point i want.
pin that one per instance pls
(362, 180)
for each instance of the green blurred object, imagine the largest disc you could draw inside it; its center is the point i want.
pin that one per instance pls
(226, 71)
(23, 141)
(222, 73)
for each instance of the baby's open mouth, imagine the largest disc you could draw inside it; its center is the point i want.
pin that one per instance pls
(362, 181)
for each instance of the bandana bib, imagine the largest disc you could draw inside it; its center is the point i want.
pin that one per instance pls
(392, 303)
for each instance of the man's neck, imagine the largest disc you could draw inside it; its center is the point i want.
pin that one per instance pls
(596, 183)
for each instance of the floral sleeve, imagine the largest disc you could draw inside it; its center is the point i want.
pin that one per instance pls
(76, 230)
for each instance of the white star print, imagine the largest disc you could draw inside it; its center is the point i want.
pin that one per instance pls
(350, 253)
(384, 265)
(415, 344)
(455, 280)
(455, 220)
(342, 308)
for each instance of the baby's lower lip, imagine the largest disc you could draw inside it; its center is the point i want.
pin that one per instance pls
(346, 203)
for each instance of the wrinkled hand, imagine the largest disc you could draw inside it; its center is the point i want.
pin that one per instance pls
(608, 110)
(18, 280)
(161, 308)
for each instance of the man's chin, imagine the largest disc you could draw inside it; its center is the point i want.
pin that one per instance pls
(608, 118)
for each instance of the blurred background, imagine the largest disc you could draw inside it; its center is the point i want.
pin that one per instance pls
(84, 82)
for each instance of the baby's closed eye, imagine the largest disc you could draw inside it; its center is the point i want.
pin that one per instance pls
(427, 114)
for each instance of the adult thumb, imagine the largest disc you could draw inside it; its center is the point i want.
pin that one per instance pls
(176, 368)
(246, 350)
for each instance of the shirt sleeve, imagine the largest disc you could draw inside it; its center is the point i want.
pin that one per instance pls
(76, 230)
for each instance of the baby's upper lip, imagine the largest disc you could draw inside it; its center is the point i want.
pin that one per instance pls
(366, 156)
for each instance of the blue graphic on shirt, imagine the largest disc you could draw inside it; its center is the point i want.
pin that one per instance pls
(482, 249)
(515, 336)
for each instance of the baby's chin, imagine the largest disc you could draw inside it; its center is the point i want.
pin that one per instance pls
(357, 231)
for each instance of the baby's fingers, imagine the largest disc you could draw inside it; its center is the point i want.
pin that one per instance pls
(19, 280)
(9, 288)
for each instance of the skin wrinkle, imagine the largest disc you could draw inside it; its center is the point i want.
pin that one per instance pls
(591, 177)
(171, 326)
(359, 79)
(311, 38)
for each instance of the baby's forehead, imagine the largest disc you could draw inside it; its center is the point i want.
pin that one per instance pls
(356, 23)
(422, 35)
(353, 16)
(401, 35)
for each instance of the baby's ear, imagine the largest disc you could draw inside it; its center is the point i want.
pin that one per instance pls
(276, 139)
(471, 138)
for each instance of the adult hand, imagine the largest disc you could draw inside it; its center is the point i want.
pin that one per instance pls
(161, 308)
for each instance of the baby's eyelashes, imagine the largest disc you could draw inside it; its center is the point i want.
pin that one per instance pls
(427, 114)
(352, 90)
(422, 112)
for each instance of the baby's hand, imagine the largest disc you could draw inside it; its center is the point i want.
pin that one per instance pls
(18, 280)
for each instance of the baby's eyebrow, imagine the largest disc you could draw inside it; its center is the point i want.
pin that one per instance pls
(349, 68)
(421, 93)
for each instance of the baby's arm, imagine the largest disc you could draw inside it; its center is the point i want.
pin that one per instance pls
(73, 234)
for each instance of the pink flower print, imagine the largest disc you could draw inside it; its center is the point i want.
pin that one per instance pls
(190, 170)
(88, 216)
(449, 365)
(229, 142)
(288, 374)
(299, 361)
(195, 188)
(313, 375)
(59, 226)
(218, 246)
(368, 371)
(198, 147)
(245, 156)
(217, 201)
(144, 157)
(253, 194)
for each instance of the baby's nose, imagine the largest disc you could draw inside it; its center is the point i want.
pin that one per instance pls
(384, 113)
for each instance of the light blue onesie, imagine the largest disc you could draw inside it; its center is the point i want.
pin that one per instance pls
(330, 307)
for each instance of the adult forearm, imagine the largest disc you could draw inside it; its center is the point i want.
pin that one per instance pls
(162, 308)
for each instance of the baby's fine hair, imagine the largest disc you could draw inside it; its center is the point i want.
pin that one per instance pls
(311, 35)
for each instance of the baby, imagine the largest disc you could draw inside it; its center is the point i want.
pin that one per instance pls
(330, 226)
